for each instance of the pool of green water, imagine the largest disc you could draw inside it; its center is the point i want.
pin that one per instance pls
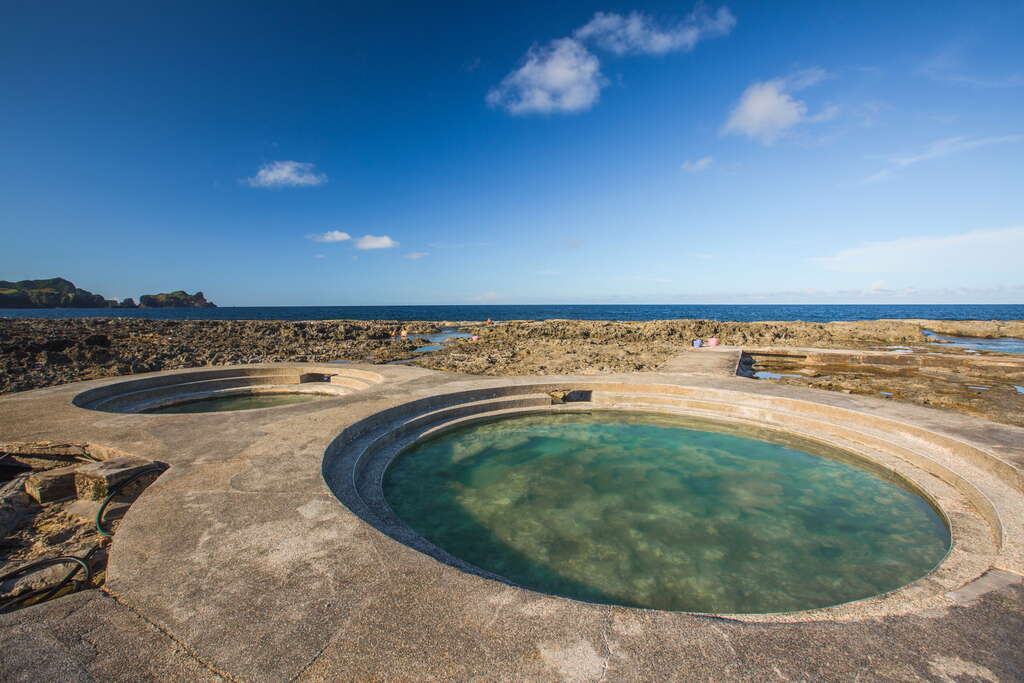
(238, 402)
(665, 512)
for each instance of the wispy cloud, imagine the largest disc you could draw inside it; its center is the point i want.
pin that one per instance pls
(637, 33)
(375, 242)
(948, 66)
(564, 76)
(697, 166)
(767, 109)
(330, 236)
(938, 149)
(458, 245)
(286, 174)
(989, 251)
(416, 255)
(486, 296)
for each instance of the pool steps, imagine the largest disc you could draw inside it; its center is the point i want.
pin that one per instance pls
(156, 392)
(983, 509)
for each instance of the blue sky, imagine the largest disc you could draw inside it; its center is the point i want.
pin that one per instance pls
(315, 153)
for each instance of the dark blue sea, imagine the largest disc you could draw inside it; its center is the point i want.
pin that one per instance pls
(737, 313)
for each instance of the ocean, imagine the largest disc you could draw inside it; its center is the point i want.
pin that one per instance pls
(733, 313)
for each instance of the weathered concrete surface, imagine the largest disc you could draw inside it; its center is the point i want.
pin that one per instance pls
(716, 361)
(90, 637)
(238, 561)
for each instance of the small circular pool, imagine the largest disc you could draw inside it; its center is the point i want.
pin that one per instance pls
(237, 402)
(666, 512)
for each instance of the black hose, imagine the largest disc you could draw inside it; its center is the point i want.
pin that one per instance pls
(81, 563)
(114, 490)
(48, 591)
(70, 575)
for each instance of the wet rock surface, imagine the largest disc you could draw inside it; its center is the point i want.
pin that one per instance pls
(983, 387)
(594, 347)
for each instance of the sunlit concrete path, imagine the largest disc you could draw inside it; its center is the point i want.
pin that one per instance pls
(241, 561)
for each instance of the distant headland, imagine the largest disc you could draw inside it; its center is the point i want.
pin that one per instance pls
(60, 293)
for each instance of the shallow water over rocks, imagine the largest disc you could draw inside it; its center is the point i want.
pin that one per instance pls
(651, 511)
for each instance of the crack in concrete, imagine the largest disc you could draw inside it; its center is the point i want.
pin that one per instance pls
(331, 641)
(122, 602)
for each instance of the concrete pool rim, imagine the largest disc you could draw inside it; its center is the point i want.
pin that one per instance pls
(976, 538)
(165, 390)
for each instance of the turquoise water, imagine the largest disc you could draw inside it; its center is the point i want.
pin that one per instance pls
(662, 512)
(240, 402)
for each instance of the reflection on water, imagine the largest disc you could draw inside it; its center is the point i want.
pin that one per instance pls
(438, 339)
(1004, 344)
(764, 374)
(428, 348)
(637, 510)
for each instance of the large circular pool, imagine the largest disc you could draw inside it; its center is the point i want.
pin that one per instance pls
(666, 512)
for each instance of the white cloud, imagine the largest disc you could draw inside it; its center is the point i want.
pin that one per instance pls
(637, 33)
(698, 165)
(562, 76)
(565, 77)
(319, 256)
(375, 242)
(987, 251)
(286, 174)
(767, 109)
(486, 296)
(416, 255)
(330, 236)
(937, 149)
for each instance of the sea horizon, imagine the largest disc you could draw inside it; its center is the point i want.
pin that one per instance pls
(501, 312)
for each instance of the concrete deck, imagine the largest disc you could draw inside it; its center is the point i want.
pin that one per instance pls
(241, 563)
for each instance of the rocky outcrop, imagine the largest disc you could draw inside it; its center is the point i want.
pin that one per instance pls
(53, 293)
(175, 299)
(60, 293)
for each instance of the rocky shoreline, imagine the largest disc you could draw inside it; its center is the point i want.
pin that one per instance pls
(40, 352)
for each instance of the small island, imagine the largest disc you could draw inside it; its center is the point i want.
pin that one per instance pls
(175, 299)
(60, 293)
